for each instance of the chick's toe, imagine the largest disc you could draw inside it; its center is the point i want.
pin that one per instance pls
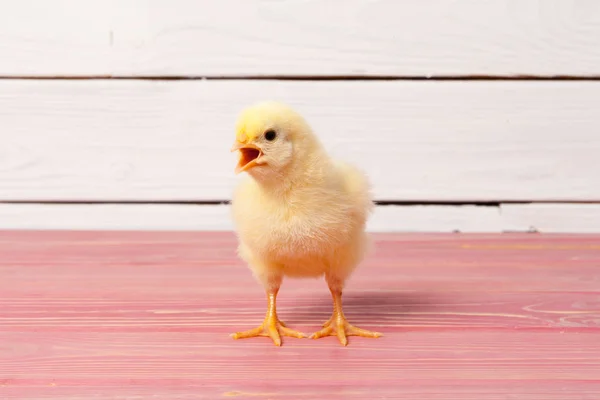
(338, 326)
(271, 327)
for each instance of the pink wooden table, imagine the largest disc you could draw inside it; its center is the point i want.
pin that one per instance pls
(90, 315)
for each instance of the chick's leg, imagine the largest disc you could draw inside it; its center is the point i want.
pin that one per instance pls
(338, 325)
(271, 326)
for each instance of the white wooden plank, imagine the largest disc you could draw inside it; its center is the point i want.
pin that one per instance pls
(561, 218)
(115, 217)
(58, 37)
(310, 37)
(157, 140)
(421, 218)
(217, 217)
(545, 218)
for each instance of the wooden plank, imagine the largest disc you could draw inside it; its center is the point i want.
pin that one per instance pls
(147, 314)
(565, 218)
(115, 217)
(494, 263)
(59, 37)
(447, 389)
(546, 218)
(149, 140)
(217, 217)
(261, 37)
(204, 364)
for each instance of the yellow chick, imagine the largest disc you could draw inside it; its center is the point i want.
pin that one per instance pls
(299, 214)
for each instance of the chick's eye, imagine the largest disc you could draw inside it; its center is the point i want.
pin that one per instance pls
(270, 135)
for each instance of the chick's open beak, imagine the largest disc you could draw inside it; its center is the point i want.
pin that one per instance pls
(249, 154)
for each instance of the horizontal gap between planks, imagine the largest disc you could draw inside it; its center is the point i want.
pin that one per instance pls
(315, 78)
(377, 202)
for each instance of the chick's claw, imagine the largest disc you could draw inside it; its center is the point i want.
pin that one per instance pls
(341, 328)
(272, 328)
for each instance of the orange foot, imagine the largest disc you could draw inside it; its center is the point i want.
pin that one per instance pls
(340, 327)
(271, 326)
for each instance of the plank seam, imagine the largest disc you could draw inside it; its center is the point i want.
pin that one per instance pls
(377, 202)
(312, 77)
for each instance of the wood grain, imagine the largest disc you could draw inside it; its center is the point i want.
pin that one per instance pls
(262, 37)
(132, 315)
(149, 140)
(546, 218)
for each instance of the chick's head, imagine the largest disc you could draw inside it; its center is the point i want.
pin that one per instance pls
(269, 137)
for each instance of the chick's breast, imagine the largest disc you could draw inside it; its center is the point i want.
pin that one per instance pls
(316, 229)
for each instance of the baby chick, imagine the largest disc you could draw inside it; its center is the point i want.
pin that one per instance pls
(298, 214)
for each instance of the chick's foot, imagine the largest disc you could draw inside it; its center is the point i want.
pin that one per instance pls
(340, 327)
(271, 327)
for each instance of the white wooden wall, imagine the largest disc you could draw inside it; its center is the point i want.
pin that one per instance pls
(481, 151)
